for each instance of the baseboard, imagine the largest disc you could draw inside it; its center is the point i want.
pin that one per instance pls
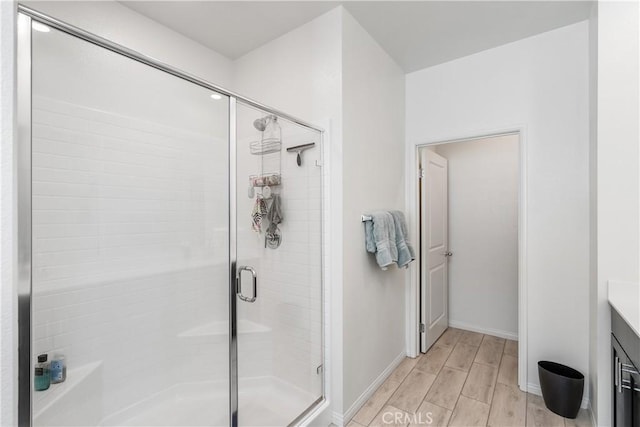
(337, 419)
(340, 420)
(591, 416)
(474, 328)
(535, 389)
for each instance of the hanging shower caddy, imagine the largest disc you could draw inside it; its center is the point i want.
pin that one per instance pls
(269, 148)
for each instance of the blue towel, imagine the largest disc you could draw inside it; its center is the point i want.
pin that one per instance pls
(405, 251)
(380, 238)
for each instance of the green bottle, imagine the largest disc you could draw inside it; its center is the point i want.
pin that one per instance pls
(42, 374)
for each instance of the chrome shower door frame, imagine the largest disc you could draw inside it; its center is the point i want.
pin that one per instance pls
(23, 149)
(26, 16)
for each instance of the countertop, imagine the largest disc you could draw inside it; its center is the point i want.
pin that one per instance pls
(624, 297)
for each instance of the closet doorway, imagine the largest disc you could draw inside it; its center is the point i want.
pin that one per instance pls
(469, 210)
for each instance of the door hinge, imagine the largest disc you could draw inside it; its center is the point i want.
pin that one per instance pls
(422, 328)
(420, 173)
(319, 369)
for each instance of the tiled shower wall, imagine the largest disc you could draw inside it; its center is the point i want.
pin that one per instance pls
(129, 247)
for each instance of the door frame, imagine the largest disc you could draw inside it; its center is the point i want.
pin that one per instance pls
(412, 296)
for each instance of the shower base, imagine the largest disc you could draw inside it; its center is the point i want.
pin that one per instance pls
(264, 401)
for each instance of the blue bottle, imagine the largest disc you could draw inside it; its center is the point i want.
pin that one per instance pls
(58, 368)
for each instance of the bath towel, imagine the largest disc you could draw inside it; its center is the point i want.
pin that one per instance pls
(380, 238)
(405, 251)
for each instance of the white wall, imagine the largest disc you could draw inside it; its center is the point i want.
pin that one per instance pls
(539, 85)
(8, 288)
(118, 23)
(373, 178)
(483, 233)
(299, 72)
(618, 211)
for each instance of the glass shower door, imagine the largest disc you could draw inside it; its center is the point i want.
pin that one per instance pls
(130, 239)
(279, 258)
(129, 218)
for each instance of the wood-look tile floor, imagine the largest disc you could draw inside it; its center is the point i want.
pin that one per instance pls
(465, 379)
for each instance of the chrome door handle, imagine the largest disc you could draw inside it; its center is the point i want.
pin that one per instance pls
(239, 283)
(626, 384)
(448, 254)
(618, 375)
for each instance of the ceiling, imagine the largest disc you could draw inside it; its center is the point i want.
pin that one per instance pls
(232, 28)
(420, 34)
(417, 34)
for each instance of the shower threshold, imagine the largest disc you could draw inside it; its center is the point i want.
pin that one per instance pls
(263, 401)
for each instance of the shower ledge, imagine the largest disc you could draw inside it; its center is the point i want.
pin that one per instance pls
(62, 399)
(221, 327)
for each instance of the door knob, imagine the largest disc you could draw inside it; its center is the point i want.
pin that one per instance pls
(448, 254)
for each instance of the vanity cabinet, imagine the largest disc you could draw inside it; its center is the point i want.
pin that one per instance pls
(626, 377)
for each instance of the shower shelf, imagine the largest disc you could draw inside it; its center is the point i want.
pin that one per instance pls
(265, 147)
(81, 381)
(222, 328)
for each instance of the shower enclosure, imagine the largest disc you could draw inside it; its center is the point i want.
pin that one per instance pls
(170, 250)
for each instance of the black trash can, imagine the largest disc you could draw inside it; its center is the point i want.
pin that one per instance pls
(562, 388)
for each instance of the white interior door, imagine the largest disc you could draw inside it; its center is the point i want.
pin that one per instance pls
(434, 249)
